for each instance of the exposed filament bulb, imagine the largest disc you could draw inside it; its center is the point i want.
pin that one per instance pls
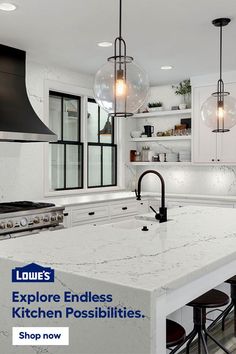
(121, 87)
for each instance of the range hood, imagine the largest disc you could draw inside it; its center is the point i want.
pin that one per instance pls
(18, 120)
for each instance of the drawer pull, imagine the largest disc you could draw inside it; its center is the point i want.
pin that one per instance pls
(65, 214)
(91, 213)
(124, 208)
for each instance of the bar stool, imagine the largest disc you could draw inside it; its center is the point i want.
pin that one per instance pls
(175, 334)
(212, 299)
(232, 305)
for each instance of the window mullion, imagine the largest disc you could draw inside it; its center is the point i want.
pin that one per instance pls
(99, 128)
(62, 119)
(101, 165)
(65, 166)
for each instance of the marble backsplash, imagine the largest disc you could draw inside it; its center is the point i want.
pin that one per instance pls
(205, 180)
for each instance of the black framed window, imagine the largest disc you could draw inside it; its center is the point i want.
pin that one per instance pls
(102, 151)
(67, 153)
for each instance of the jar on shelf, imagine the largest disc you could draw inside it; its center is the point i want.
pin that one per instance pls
(162, 157)
(155, 158)
(132, 155)
(145, 153)
(137, 156)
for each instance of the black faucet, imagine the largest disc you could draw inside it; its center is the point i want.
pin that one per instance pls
(162, 215)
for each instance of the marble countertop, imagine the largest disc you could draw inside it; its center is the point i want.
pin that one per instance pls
(121, 195)
(194, 241)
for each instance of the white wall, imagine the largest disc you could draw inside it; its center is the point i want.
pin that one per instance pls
(22, 165)
(210, 180)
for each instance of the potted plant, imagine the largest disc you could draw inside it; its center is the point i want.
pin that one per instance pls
(155, 106)
(184, 90)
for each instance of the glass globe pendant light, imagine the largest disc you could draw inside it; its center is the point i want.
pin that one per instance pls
(219, 111)
(120, 86)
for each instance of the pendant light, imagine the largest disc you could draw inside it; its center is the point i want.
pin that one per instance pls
(120, 86)
(107, 129)
(219, 111)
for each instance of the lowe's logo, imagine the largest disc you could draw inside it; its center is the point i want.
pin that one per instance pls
(32, 273)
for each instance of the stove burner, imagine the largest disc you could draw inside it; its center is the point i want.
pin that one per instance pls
(11, 207)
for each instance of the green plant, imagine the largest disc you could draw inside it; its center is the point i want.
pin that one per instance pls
(184, 88)
(154, 104)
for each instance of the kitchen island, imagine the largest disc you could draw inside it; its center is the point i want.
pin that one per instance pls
(154, 272)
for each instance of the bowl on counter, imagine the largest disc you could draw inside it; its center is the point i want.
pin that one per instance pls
(135, 133)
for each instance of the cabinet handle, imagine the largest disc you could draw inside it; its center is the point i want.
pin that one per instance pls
(124, 208)
(91, 213)
(212, 160)
(218, 160)
(65, 214)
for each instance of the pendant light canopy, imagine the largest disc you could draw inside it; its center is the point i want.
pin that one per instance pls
(120, 86)
(219, 111)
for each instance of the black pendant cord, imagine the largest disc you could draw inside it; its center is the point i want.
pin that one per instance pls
(120, 29)
(221, 45)
(120, 19)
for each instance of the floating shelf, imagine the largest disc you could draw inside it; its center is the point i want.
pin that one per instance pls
(160, 163)
(162, 138)
(176, 112)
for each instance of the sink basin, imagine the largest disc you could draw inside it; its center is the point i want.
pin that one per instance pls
(134, 224)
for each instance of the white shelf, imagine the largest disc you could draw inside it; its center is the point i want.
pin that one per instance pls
(162, 138)
(160, 163)
(176, 112)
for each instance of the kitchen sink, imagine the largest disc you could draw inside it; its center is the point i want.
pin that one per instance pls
(134, 224)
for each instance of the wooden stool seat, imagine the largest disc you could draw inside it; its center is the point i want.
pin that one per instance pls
(175, 333)
(211, 299)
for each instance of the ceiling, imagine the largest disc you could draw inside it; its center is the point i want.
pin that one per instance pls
(158, 32)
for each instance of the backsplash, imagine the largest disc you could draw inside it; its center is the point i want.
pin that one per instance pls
(206, 180)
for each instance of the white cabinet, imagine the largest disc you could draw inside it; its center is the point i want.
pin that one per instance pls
(128, 208)
(104, 212)
(88, 214)
(209, 147)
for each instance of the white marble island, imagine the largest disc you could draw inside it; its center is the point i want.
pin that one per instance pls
(156, 272)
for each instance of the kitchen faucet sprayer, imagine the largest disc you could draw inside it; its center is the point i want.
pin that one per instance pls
(162, 215)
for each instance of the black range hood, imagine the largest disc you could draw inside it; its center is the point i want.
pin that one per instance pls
(18, 120)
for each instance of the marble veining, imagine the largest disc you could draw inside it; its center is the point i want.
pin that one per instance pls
(195, 240)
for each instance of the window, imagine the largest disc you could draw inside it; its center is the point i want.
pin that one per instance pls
(68, 157)
(67, 153)
(102, 152)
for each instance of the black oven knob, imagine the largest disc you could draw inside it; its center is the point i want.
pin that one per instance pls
(9, 224)
(46, 218)
(36, 220)
(60, 217)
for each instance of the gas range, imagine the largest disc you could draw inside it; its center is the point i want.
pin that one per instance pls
(24, 218)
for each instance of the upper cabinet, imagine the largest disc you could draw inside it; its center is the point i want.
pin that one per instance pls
(209, 147)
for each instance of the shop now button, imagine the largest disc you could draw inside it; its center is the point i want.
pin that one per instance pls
(40, 336)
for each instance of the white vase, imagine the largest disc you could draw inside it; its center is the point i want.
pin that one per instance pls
(182, 106)
(187, 100)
